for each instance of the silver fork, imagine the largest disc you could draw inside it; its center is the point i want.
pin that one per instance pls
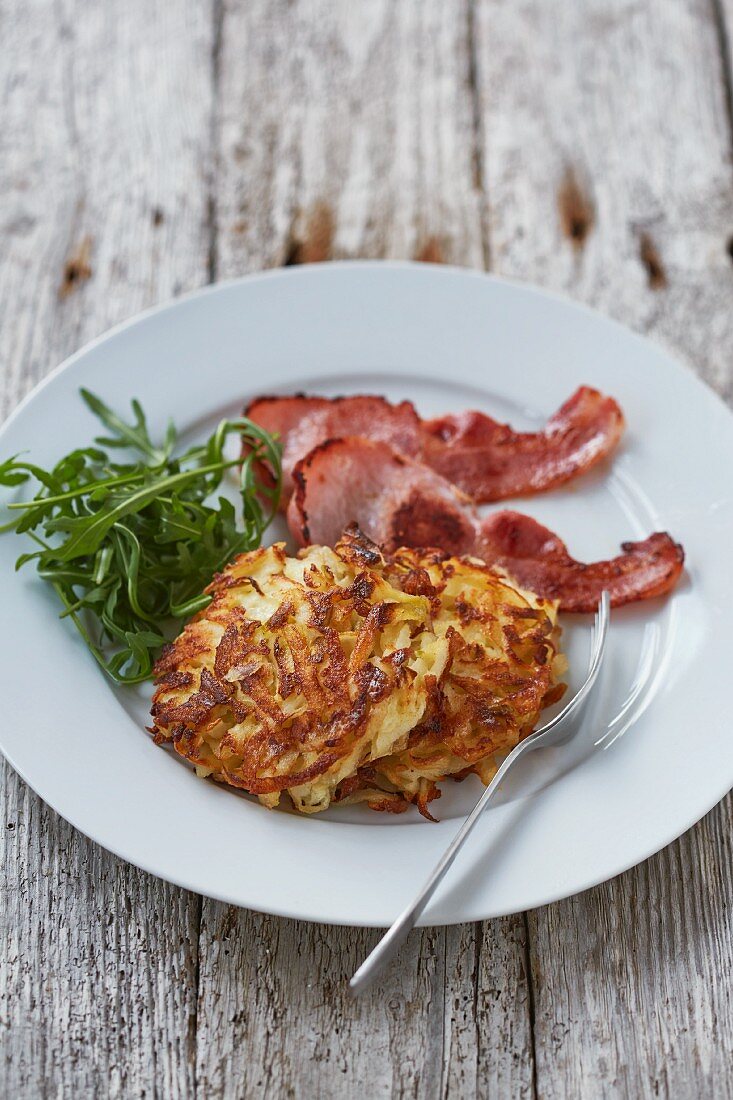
(549, 734)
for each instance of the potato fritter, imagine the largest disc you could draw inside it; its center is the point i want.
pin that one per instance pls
(350, 675)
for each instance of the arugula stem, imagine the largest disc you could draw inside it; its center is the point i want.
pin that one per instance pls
(72, 494)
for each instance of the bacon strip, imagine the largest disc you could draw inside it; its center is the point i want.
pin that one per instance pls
(301, 423)
(490, 461)
(540, 561)
(397, 501)
(394, 500)
(485, 459)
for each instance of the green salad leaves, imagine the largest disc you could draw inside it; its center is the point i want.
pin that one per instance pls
(130, 545)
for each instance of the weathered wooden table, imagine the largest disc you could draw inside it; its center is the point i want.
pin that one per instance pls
(148, 149)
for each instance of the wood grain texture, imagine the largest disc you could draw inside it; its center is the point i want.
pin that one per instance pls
(450, 1019)
(103, 152)
(98, 965)
(488, 1043)
(634, 980)
(361, 141)
(146, 148)
(606, 136)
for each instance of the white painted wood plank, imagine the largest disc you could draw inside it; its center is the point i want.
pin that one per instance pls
(103, 175)
(634, 980)
(276, 1018)
(488, 1043)
(606, 141)
(348, 131)
(97, 973)
(345, 130)
(605, 135)
(451, 1018)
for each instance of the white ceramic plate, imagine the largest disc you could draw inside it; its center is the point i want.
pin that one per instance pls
(656, 751)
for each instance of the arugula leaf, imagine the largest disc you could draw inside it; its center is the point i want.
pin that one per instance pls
(125, 435)
(129, 546)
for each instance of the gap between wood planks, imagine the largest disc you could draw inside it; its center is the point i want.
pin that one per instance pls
(721, 33)
(212, 228)
(212, 219)
(479, 153)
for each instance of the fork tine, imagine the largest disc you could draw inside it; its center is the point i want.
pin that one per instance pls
(594, 636)
(599, 630)
(600, 621)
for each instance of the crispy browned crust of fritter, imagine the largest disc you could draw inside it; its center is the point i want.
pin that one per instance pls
(347, 674)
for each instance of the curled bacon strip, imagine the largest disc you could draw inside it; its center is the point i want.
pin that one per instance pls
(485, 459)
(490, 461)
(540, 561)
(397, 501)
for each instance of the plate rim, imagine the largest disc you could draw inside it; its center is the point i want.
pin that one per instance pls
(303, 271)
(170, 304)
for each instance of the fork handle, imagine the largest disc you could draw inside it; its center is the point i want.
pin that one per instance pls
(393, 939)
(397, 934)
